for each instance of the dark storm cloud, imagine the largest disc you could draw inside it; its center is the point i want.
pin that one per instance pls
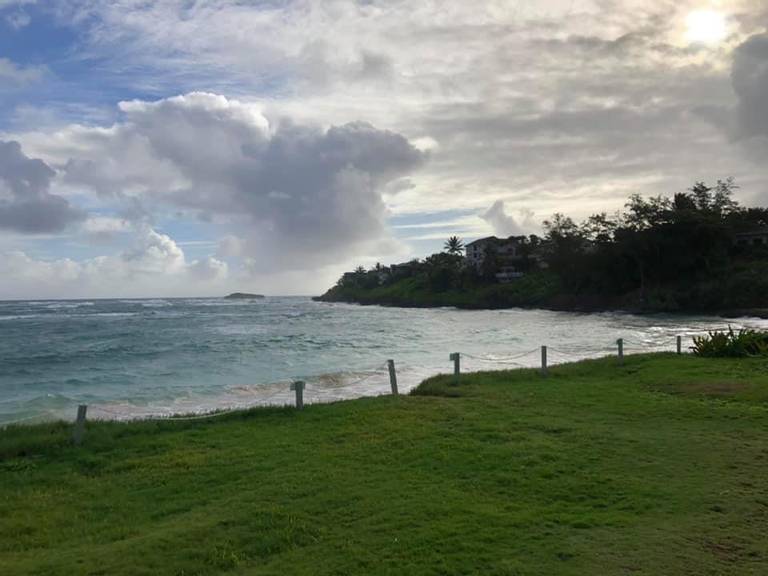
(750, 81)
(26, 205)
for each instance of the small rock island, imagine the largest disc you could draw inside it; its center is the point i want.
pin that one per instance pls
(243, 296)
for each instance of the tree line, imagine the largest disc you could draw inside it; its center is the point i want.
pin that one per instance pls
(686, 242)
(654, 241)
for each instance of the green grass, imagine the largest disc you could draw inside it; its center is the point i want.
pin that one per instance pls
(533, 289)
(655, 467)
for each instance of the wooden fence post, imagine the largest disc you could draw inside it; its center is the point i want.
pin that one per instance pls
(79, 432)
(392, 376)
(679, 344)
(544, 369)
(620, 343)
(298, 386)
(456, 358)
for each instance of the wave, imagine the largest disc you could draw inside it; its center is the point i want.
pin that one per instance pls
(113, 314)
(67, 305)
(151, 303)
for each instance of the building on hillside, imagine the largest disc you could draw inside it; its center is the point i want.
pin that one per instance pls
(508, 248)
(756, 237)
(510, 259)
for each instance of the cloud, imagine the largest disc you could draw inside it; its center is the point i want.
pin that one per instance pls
(18, 20)
(105, 228)
(154, 265)
(504, 224)
(26, 205)
(750, 82)
(541, 103)
(12, 75)
(299, 196)
(8, 3)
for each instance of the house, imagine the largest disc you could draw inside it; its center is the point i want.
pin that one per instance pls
(508, 254)
(755, 237)
(505, 249)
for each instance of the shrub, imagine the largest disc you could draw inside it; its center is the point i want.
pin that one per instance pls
(731, 344)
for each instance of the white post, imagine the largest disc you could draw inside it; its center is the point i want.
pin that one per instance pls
(679, 344)
(544, 360)
(298, 386)
(392, 376)
(620, 343)
(456, 358)
(79, 432)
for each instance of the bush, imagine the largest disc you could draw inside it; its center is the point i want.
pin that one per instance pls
(731, 344)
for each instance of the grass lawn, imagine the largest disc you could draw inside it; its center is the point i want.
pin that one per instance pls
(657, 467)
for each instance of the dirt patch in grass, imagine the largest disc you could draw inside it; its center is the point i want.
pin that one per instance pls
(724, 551)
(717, 389)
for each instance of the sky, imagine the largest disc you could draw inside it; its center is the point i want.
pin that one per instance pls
(157, 148)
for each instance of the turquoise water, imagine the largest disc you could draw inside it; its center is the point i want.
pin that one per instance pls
(136, 358)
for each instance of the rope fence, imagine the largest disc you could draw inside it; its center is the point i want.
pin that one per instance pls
(544, 353)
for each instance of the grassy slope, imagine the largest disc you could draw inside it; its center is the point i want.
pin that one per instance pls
(657, 467)
(531, 290)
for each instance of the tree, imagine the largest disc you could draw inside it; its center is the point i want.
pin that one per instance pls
(443, 270)
(643, 214)
(683, 202)
(559, 228)
(454, 245)
(599, 228)
(722, 201)
(716, 200)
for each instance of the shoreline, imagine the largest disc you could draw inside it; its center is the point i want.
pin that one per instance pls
(234, 370)
(286, 397)
(736, 313)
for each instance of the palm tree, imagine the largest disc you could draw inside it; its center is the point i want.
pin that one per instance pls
(454, 245)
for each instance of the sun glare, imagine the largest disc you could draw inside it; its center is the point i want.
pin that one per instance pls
(706, 27)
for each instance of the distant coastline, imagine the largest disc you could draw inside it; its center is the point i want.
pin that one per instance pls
(243, 296)
(539, 290)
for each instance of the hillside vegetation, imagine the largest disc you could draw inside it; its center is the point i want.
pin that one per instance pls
(685, 253)
(654, 467)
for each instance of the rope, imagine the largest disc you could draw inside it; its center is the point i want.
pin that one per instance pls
(179, 418)
(641, 344)
(501, 360)
(373, 373)
(197, 417)
(102, 409)
(564, 353)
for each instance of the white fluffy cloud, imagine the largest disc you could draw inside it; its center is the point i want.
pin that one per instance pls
(505, 225)
(299, 196)
(154, 266)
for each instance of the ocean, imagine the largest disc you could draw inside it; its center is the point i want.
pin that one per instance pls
(155, 357)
